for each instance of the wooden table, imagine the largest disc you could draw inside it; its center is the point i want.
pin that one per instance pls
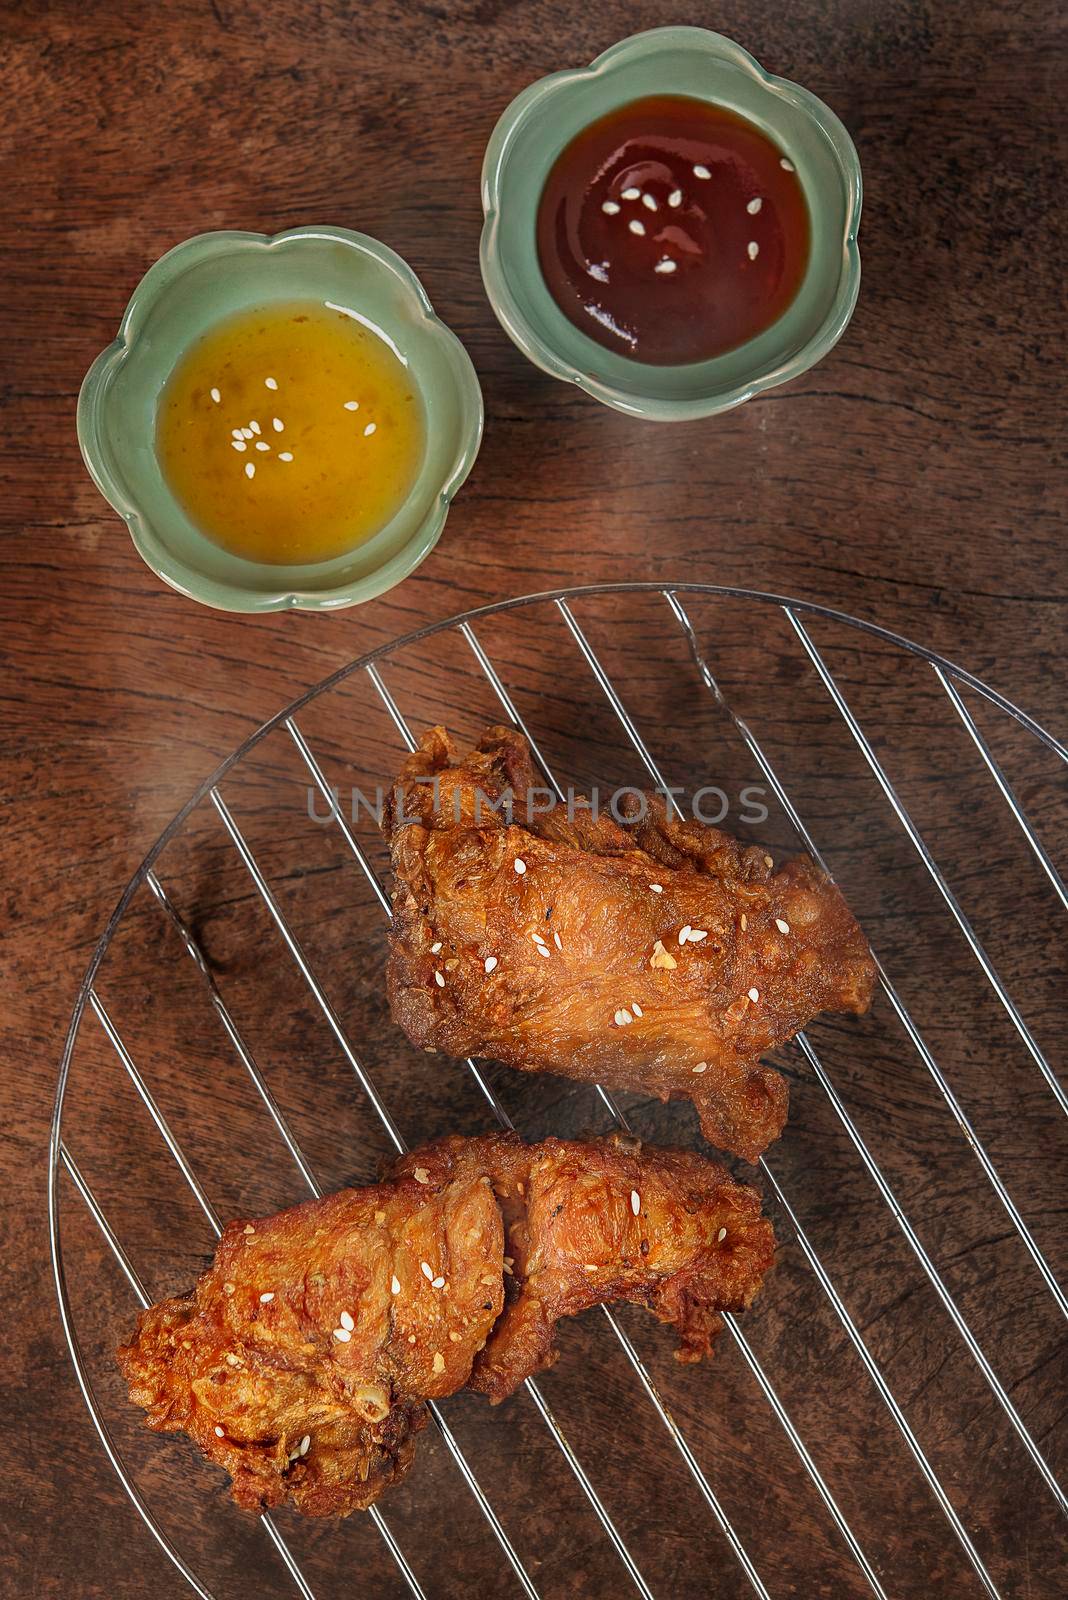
(914, 478)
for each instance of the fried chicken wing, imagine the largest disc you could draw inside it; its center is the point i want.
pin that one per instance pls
(302, 1360)
(660, 955)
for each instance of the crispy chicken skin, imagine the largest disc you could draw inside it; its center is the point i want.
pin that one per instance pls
(302, 1359)
(554, 941)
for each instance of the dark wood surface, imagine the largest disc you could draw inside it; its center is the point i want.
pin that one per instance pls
(914, 478)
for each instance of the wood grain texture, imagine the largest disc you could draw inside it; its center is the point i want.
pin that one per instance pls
(915, 478)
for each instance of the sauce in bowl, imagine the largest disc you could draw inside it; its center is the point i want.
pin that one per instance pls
(672, 230)
(292, 433)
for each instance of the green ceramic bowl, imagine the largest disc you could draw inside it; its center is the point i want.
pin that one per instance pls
(191, 289)
(676, 61)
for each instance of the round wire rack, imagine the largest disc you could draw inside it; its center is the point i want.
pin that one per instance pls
(883, 1419)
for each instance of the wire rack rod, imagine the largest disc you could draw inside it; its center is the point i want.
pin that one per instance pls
(654, 772)
(118, 1251)
(933, 869)
(506, 1122)
(513, 713)
(293, 945)
(1038, 849)
(901, 1011)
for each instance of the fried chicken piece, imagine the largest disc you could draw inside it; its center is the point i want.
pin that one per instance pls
(302, 1359)
(662, 956)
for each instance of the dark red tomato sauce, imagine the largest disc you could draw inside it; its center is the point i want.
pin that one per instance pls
(672, 230)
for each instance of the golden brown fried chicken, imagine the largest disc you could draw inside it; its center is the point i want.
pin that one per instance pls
(663, 957)
(302, 1359)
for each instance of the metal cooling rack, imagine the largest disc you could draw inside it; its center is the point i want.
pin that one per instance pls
(672, 607)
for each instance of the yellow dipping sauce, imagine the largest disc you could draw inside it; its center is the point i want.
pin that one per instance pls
(290, 434)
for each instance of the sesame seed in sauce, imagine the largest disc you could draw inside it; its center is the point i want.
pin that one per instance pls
(721, 1235)
(427, 1270)
(220, 1433)
(250, 470)
(649, 203)
(439, 979)
(421, 1175)
(370, 428)
(665, 264)
(262, 445)
(254, 425)
(754, 206)
(783, 926)
(610, 208)
(346, 1320)
(265, 1299)
(439, 1361)
(489, 963)
(701, 172)
(636, 227)
(675, 198)
(246, 433)
(277, 424)
(752, 249)
(352, 405)
(631, 194)
(394, 1284)
(787, 166)
(270, 383)
(520, 865)
(754, 995)
(702, 1066)
(238, 444)
(635, 1202)
(216, 396)
(342, 1335)
(285, 455)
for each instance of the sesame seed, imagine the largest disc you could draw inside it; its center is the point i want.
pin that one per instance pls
(721, 1235)
(768, 861)
(250, 470)
(238, 444)
(754, 995)
(265, 1299)
(622, 1018)
(537, 938)
(787, 166)
(434, 948)
(744, 921)
(675, 198)
(657, 888)
(285, 455)
(684, 933)
(520, 865)
(346, 1320)
(489, 963)
(590, 1267)
(697, 934)
(702, 1066)
(636, 1008)
(754, 206)
(247, 433)
(270, 383)
(437, 1283)
(370, 428)
(631, 194)
(752, 249)
(427, 1270)
(342, 1335)
(701, 172)
(439, 979)
(421, 1175)
(665, 264)
(543, 951)
(277, 424)
(254, 425)
(556, 941)
(649, 203)
(783, 927)
(610, 208)
(352, 405)
(636, 227)
(439, 1361)
(305, 1444)
(635, 1201)
(394, 1284)
(261, 445)
(235, 433)
(220, 1433)
(216, 396)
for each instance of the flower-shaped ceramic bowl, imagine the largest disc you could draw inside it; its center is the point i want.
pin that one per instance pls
(542, 120)
(194, 287)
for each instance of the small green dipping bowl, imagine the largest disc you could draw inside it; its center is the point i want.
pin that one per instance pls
(544, 119)
(190, 290)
